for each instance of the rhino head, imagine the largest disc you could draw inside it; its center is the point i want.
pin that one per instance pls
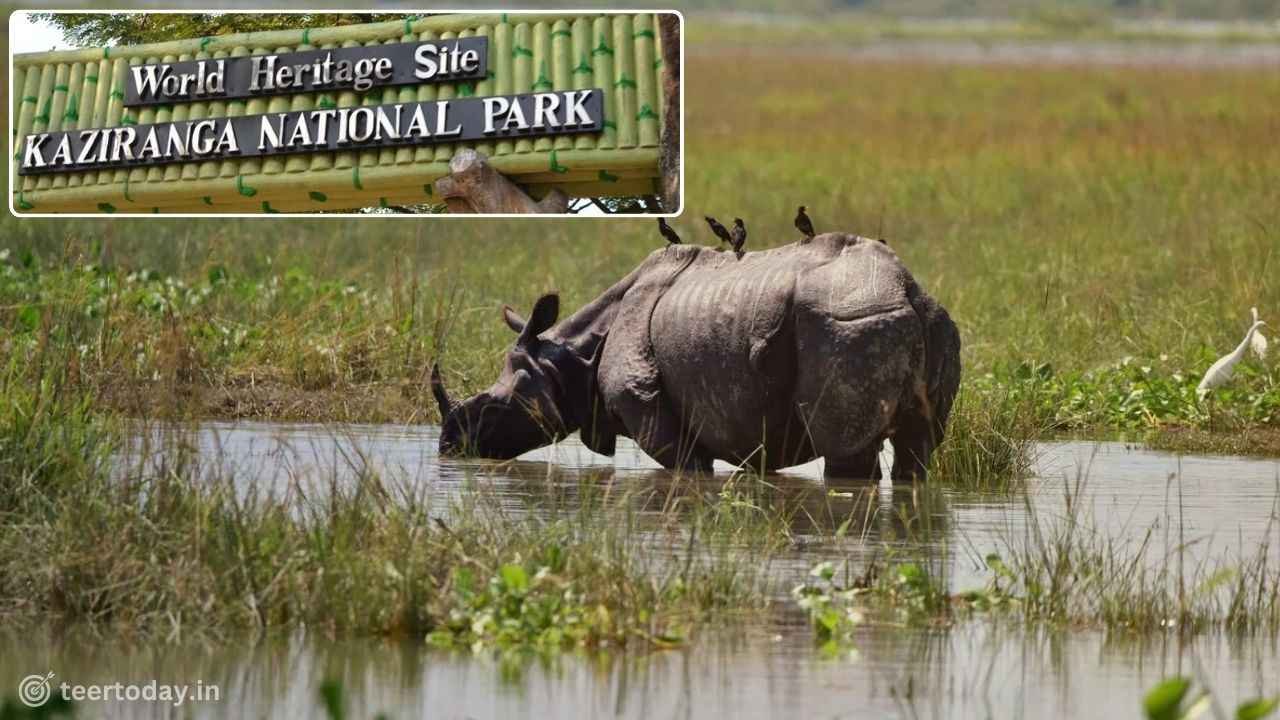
(533, 402)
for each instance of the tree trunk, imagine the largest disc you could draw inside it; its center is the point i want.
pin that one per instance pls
(669, 152)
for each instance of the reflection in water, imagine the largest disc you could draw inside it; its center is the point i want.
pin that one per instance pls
(975, 669)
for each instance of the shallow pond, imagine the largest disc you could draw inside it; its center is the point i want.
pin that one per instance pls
(978, 668)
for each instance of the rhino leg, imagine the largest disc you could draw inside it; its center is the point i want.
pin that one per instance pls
(660, 433)
(942, 361)
(913, 443)
(922, 419)
(850, 383)
(864, 465)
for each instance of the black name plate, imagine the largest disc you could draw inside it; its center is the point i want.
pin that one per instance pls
(355, 68)
(302, 131)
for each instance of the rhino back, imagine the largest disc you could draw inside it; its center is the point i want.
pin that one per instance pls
(723, 333)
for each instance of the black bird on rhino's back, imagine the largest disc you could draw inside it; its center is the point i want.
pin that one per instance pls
(738, 236)
(719, 230)
(804, 225)
(667, 232)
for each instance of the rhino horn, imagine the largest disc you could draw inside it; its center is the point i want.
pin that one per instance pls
(437, 389)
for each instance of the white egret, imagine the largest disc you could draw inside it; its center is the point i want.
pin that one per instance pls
(1259, 342)
(1221, 371)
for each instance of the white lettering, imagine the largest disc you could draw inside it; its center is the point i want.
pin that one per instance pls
(386, 129)
(515, 117)
(227, 143)
(493, 107)
(262, 76)
(544, 110)
(150, 145)
(62, 155)
(177, 145)
(361, 116)
(418, 124)
(442, 120)
(301, 135)
(147, 78)
(202, 137)
(267, 133)
(33, 157)
(88, 138)
(575, 112)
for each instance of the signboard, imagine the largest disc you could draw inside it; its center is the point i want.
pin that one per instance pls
(528, 115)
(354, 68)
(345, 117)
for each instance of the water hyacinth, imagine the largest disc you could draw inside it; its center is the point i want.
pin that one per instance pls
(832, 614)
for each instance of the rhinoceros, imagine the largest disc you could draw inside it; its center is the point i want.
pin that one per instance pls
(767, 360)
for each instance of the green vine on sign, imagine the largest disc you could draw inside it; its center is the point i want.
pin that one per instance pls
(556, 167)
(243, 189)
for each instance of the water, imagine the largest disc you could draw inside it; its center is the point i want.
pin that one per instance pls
(976, 668)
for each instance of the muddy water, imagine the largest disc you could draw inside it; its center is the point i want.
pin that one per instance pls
(1216, 506)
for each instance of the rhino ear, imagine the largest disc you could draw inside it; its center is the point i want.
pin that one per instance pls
(545, 313)
(512, 319)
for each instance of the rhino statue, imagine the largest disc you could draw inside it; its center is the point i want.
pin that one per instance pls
(771, 359)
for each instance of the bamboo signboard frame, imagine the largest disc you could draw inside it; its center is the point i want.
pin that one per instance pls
(618, 53)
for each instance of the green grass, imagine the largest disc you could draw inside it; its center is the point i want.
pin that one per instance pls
(1062, 571)
(1044, 23)
(1085, 223)
(182, 551)
(156, 541)
(180, 547)
(989, 443)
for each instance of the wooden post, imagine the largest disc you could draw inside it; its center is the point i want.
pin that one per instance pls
(473, 186)
(669, 149)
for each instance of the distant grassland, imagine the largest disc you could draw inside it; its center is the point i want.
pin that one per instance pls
(1064, 23)
(1068, 218)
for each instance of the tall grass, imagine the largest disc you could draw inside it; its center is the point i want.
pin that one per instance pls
(1068, 217)
(1063, 571)
(1064, 215)
(990, 440)
(1067, 571)
(127, 528)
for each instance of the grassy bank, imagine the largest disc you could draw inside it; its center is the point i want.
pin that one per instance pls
(1098, 233)
(1064, 572)
(1042, 23)
(145, 537)
(155, 541)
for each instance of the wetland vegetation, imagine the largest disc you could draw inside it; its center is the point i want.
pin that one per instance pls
(1099, 233)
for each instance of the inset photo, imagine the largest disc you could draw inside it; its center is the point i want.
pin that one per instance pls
(379, 114)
